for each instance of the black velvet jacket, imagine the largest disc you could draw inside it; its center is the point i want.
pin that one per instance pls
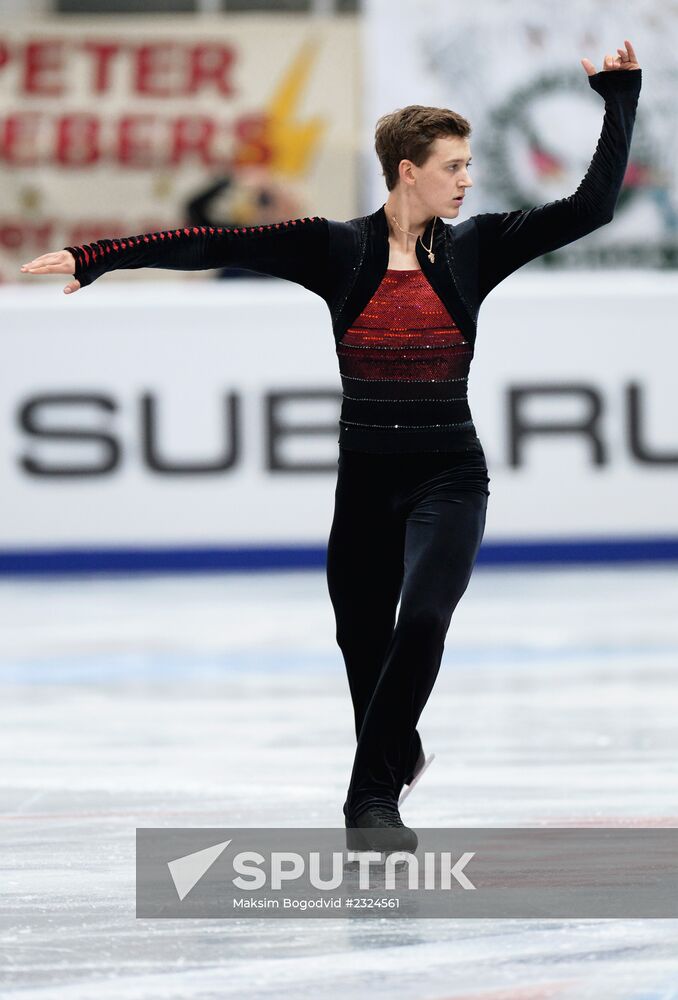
(344, 262)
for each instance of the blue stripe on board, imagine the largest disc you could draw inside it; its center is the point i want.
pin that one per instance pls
(19, 562)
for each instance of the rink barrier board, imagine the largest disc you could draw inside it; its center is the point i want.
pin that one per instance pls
(41, 562)
(190, 460)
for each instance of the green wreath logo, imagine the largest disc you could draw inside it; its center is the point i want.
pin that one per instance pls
(517, 115)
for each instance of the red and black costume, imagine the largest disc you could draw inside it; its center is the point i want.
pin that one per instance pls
(412, 486)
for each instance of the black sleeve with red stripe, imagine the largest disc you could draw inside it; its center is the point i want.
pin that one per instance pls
(297, 250)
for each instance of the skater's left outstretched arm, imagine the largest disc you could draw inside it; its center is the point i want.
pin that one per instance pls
(507, 240)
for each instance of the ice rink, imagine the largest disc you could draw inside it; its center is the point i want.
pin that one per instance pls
(221, 700)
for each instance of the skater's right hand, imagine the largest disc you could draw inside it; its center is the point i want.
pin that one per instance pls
(61, 262)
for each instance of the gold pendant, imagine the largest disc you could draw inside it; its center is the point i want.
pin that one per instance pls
(432, 257)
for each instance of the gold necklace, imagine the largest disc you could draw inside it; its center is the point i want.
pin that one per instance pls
(429, 250)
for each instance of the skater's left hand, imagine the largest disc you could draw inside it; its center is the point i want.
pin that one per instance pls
(625, 60)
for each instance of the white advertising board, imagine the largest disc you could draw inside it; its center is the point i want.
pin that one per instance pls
(181, 414)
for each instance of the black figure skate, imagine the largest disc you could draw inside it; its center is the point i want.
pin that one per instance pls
(379, 828)
(422, 763)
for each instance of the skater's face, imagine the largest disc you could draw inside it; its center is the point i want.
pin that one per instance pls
(443, 179)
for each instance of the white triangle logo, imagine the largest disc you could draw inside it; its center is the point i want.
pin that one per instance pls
(187, 871)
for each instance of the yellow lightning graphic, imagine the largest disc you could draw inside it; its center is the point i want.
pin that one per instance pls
(293, 143)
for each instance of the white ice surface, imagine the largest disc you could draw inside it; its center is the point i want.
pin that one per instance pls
(221, 700)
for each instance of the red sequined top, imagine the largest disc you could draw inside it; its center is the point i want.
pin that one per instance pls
(404, 368)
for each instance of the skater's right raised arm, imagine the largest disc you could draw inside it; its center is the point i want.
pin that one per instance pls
(297, 250)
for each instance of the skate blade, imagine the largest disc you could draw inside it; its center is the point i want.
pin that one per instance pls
(408, 788)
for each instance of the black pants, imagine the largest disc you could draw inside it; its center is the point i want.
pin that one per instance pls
(406, 528)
